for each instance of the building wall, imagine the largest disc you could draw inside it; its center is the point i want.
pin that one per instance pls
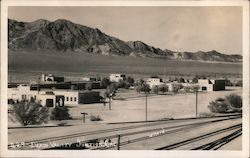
(89, 97)
(219, 85)
(154, 82)
(116, 77)
(44, 97)
(212, 85)
(71, 96)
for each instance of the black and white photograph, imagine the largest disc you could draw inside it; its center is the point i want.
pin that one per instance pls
(141, 76)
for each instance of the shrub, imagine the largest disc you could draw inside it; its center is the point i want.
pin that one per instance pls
(231, 103)
(163, 88)
(95, 118)
(105, 82)
(143, 88)
(218, 106)
(234, 100)
(30, 113)
(177, 87)
(155, 89)
(60, 113)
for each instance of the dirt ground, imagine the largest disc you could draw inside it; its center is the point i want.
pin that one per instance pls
(159, 107)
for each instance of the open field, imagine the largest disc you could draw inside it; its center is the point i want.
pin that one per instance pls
(25, 66)
(159, 107)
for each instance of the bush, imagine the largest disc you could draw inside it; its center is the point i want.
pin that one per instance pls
(177, 87)
(95, 118)
(231, 103)
(60, 113)
(105, 82)
(234, 100)
(218, 106)
(143, 88)
(30, 113)
(155, 89)
(163, 88)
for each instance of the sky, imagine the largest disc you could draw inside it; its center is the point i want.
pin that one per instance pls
(174, 28)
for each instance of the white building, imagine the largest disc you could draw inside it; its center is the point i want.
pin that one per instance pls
(211, 85)
(53, 97)
(154, 81)
(51, 78)
(116, 77)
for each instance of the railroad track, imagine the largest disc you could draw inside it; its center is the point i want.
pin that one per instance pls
(47, 140)
(179, 128)
(214, 145)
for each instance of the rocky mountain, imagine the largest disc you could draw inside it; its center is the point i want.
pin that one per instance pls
(62, 35)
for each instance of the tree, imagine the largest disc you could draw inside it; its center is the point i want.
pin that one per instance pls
(177, 87)
(195, 88)
(105, 82)
(187, 89)
(155, 89)
(60, 113)
(110, 93)
(143, 88)
(163, 88)
(234, 101)
(88, 86)
(140, 82)
(30, 113)
(131, 81)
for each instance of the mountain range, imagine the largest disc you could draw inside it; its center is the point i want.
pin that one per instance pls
(63, 35)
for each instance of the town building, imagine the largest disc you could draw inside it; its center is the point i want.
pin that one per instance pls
(116, 77)
(53, 97)
(154, 81)
(212, 85)
(51, 78)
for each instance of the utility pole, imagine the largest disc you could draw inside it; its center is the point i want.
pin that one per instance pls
(146, 108)
(196, 104)
(118, 142)
(110, 102)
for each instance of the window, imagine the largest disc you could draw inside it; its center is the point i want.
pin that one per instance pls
(67, 98)
(71, 99)
(74, 98)
(23, 97)
(204, 88)
(35, 97)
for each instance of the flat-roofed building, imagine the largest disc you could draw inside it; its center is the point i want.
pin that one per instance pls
(212, 84)
(154, 81)
(116, 77)
(53, 97)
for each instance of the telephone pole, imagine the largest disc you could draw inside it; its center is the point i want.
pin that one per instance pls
(196, 104)
(146, 108)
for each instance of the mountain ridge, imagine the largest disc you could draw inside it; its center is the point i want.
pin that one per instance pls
(62, 35)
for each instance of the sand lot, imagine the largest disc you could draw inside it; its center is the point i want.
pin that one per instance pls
(159, 107)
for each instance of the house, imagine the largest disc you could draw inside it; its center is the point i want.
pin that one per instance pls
(51, 78)
(212, 85)
(154, 81)
(116, 77)
(93, 79)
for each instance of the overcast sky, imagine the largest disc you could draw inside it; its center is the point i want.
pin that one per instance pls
(174, 28)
